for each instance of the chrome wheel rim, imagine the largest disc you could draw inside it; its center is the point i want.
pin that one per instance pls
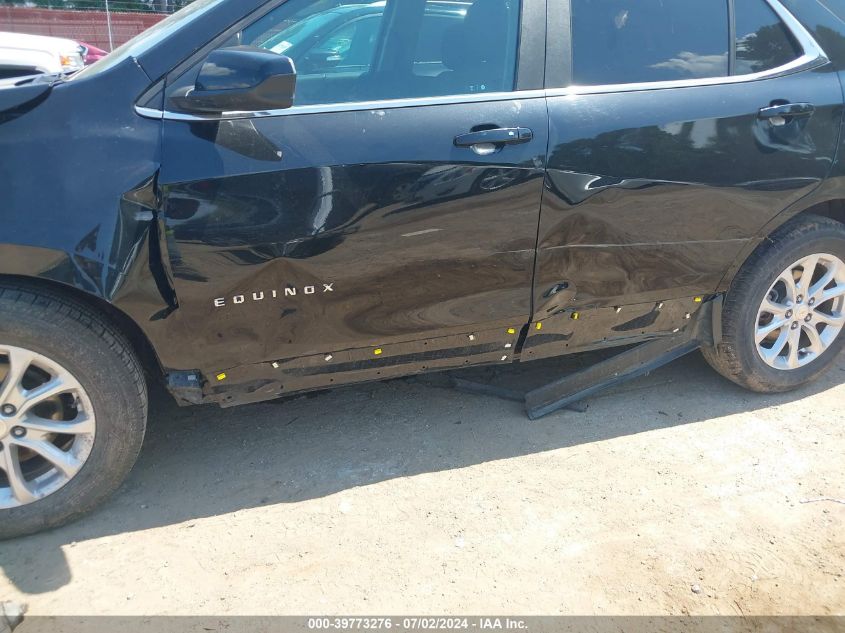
(47, 426)
(803, 312)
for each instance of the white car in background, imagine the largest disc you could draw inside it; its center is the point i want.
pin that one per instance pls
(22, 54)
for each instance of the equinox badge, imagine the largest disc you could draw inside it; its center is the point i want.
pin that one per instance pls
(289, 291)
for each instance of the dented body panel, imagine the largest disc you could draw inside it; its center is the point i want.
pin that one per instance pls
(79, 205)
(312, 234)
(652, 194)
(277, 254)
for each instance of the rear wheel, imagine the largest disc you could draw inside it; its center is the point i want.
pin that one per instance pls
(784, 315)
(72, 410)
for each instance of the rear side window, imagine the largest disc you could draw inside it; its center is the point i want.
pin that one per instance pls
(762, 41)
(642, 41)
(634, 41)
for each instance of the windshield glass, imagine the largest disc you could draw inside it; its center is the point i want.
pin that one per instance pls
(141, 43)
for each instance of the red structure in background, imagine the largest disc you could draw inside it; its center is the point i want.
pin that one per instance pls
(85, 26)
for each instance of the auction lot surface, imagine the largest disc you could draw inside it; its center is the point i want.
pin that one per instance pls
(677, 493)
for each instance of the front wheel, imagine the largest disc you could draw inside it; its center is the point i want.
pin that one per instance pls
(72, 410)
(785, 312)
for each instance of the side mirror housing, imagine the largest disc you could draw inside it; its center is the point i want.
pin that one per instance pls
(242, 79)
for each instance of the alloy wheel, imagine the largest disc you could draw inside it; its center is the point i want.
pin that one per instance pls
(47, 426)
(803, 312)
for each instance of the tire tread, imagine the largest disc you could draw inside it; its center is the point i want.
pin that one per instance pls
(725, 358)
(68, 313)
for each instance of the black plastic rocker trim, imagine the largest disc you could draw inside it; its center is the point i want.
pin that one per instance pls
(635, 362)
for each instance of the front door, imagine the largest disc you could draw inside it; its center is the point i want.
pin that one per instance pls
(396, 203)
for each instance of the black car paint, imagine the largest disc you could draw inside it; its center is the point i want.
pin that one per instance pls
(676, 180)
(161, 232)
(410, 258)
(80, 217)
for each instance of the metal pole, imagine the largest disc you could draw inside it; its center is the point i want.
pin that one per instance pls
(108, 23)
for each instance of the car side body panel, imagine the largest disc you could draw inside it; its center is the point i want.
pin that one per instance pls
(305, 234)
(629, 247)
(86, 216)
(652, 194)
(829, 31)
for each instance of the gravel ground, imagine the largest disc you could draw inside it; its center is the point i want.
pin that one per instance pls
(678, 493)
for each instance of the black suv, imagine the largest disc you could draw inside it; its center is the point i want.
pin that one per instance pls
(257, 198)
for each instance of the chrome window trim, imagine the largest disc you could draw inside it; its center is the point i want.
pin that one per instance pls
(812, 57)
(358, 106)
(802, 63)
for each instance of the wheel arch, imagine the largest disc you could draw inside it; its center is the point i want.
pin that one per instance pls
(832, 207)
(66, 287)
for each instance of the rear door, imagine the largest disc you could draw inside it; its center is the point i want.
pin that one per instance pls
(394, 205)
(678, 130)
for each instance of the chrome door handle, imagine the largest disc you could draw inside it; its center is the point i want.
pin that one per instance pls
(782, 114)
(497, 136)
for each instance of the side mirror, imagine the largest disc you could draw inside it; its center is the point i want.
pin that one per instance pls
(242, 78)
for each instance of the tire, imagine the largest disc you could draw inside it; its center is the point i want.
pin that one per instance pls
(63, 342)
(737, 357)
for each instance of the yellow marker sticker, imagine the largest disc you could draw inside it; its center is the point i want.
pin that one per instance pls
(576, 316)
(539, 326)
(698, 299)
(221, 377)
(378, 352)
(511, 330)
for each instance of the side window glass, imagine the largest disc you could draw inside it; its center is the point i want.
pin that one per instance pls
(346, 52)
(428, 58)
(762, 41)
(471, 46)
(835, 7)
(351, 45)
(635, 41)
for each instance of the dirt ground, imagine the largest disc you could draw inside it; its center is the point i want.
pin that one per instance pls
(677, 493)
